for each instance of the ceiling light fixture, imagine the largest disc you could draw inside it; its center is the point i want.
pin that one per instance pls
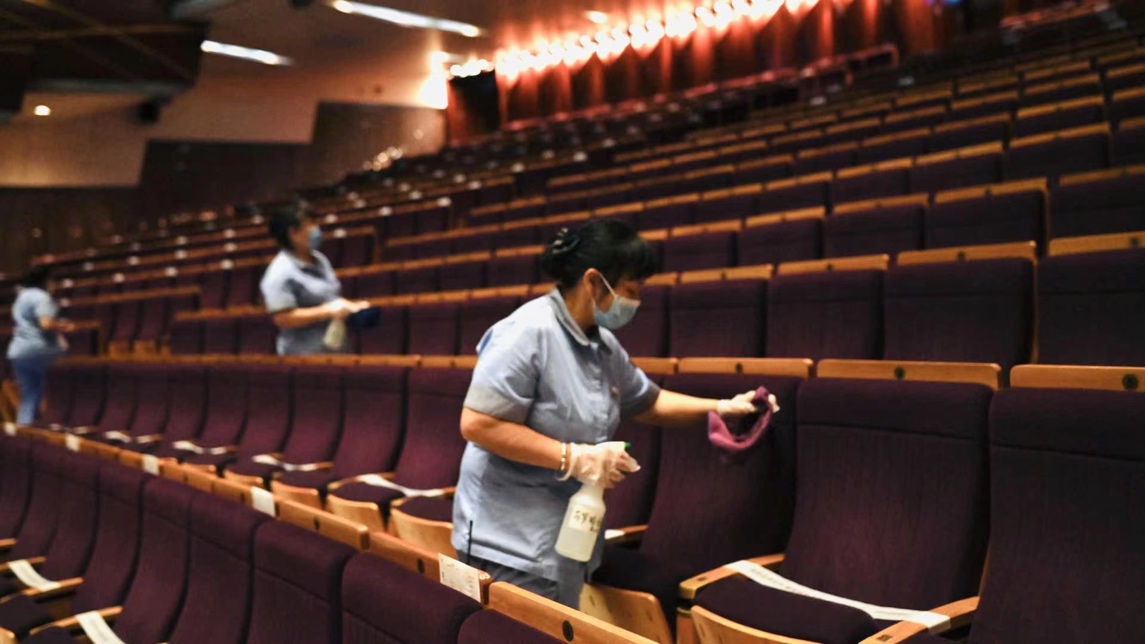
(245, 53)
(598, 17)
(406, 19)
(42, 110)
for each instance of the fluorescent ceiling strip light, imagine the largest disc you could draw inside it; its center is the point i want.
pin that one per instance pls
(246, 53)
(406, 19)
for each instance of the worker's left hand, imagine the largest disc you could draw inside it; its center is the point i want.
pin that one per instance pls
(743, 404)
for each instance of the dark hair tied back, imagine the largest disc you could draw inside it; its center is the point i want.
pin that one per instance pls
(565, 243)
(610, 246)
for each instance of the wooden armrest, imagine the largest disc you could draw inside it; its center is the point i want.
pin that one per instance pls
(66, 587)
(6, 544)
(35, 561)
(960, 613)
(72, 625)
(627, 534)
(690, 587)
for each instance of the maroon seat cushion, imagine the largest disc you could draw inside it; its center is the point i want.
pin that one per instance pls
(317, 480)
(633, 570)
(429, 508)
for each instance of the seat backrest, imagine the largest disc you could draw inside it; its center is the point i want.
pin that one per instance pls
(122, 396)
(463, 275)
(267, 387)
(874, 231)
(750, 514)
(718, 318)
(88, 401)
(218, 599)
(512, 270)
(977, 311)
(383, 603)
(991, 219)
(431, 453)
(647, 334)
(242, 286)
(79, 507)
(109, 571)
(826, 315)
(374, 420)
(316, 419)
(227, 413)
(478, 315)
(61, 388)
(257, 335)
(126, 320)
(152, 319)
(1066, 486)
(189, 402)
(186, 337)
(1109, 205)
(39, 525)
(974, 170)
(156, 594)
(787, 241)
(896, 471)
(389, 337)
(1091, 308)
(695, 252)
(423, 279)
(433, 328)
(154, 399)
(214, 289)
(15, 484)
(297, 586)
(220, 336)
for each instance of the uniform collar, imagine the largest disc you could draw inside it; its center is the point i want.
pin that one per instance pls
(316, 266)
(570, 325)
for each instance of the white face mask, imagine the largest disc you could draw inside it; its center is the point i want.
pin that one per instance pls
(621, 312)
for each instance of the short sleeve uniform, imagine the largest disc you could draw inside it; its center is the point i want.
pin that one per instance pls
(29, 340)
(538, 368)
(289, 283)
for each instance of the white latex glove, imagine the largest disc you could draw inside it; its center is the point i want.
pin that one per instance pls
(604, 464)
(742, 405)
(339, 309)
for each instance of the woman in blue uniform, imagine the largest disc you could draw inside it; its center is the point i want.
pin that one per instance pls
(37, 340)
(300, 289)
(550, 387)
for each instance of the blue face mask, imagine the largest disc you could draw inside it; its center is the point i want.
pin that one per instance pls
(621, 312)
(315, 238)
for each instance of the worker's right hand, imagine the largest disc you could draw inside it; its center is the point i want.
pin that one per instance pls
(339, 309)
(605, 464)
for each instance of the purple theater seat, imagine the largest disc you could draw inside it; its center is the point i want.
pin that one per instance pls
(654, 217)
(699, 251)
(35, 532)
(213, 293)
(793, 197)
(122, 397)
(431, 249)
(153, 317)
(376, 284)
(719, 318)
(490, 626)
(1091, 308)
(1000, 100)
(1064, 571)
(882, 149)
(316, 421)
(219, 576)
(433, 328)
(372, 427)
(1129, 146)
(15, 484)
(153, 393)
(385, 603)
(297, 586)
(826, 160)
(424, 279)
(62, 383)
(1054, 93)
(478, 315)
(1060, 156)
(630, 504)
(963, 172)
(988, 219)
(431, 452)
(1126, 106)
(463, 275)
(357, 250)
(243, 285)
(264, 432)
(226, 392)
(890, 182)
(186, 337)
(1028, 125)
(258, 335)
(389, 337)
(786, 241)
(968, 134)
(691, 530)
(725, 208)
(873, 231)
(512, 270)
(126, 321)
(978, 311)
(826, 315)
(1108, 205)
(220, 336)
(189, 402)
(475, 242)
(759, 171)
(848, 535)
(647, 334)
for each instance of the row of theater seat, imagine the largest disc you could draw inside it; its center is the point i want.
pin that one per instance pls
(929, 307)
(847, 452)
(164, 562)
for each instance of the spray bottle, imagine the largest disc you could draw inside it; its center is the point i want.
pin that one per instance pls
(584, 519)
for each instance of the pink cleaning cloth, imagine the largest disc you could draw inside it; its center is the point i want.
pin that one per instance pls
(734, 445)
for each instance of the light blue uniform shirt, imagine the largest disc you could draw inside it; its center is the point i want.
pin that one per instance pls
(28, 339)
(537, 367)
(289, 283)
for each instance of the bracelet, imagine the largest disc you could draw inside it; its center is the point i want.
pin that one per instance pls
(564, 457)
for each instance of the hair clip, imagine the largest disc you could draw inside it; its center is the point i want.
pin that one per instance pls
(565, 241)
